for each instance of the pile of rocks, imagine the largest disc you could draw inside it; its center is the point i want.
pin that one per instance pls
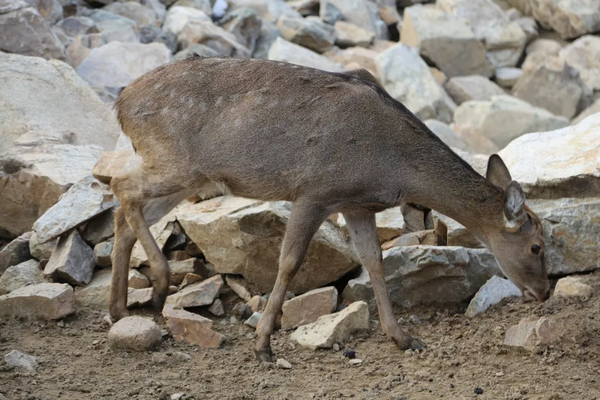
(484, 77)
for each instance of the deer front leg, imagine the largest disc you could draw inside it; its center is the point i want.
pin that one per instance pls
(124, 241)
(363, 232)
(303, 223)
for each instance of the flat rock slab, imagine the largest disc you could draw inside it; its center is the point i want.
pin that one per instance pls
(491, 293)
(135, 333)
(198, 294)
(307, 308)
(333, 328)
(72, 261)
(192, 328)
(45, 301)
(571, 286)
(17, 276)
(17, 359)
(530, 333)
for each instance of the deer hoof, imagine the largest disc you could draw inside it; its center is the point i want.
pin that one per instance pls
(409, 343)
(416, 344)
(158, 300)
(264, 355)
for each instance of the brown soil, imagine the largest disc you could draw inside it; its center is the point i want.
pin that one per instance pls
(462, 355)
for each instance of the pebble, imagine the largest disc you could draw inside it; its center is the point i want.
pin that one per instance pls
(135, 333)
(253, 320)
(177, 396)
(415, 320)
(17, 359)
(283, 364)
(349, 353)
(356, 361)
(336, 347)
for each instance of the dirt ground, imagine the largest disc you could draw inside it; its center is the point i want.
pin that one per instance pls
(462, 355)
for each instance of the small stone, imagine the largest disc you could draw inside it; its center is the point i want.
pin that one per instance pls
(198, 294)
(139, 297)
(177, 396)
(349, 353)
(241, 311)
(102, 253)
(45, 301)
(492, 292)
(415, 319)
(216, 308)
(135, 333)
(253, 320)
(23, 274)
(41, 251)
(308, 307)
(15, 252)
(529, 333)
(356, 361)
(72, 261)
(191, 328)
(137, 280)
(573, 286)
(336, 347)
(17, 359)
(283, 364)
(257, 303)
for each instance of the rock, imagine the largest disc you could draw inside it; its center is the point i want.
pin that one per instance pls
(17, 359)
(24, 31)
(354, 58)
(529, 26)
(97, 292)
(308, 32)
(329, 13)
(553, 85)
(83, 201)
(100, 228)
(76, 26)
(456, 234)
(473, 87)
(198, 294)
(180, 269)
(570, 18)
(20, 275)
(507, 77)
(46, 301)
(308, 307)
(81, 47)
(161, 231)
(583, 55)
(16, 252)
(134, 11)
(217, 308)
(350, 35)
(570, 233)
(191, 328)
(242, 236)
(135, 333)
(361, 13)
(446, 134)
(333, 328)
(282, 50)
(115, 163)
(72, 261)
(427, 237)
(41, 251)
(559, 163)
(407, 78)
(139, 297)
(252, 321)
(530, 333)
(573, 286)
(152, 34)
(549, 47)
(239, 286)
(269, 10)
(503, 39)
(419, 275)
(116, 64)
(503, 119)
(267, 36)
(216, 38)
(189, 279)
(118, 30)
(199, 49)
(244, 24)
(491, 293)
(178, 17)
(445, 40)
(257, 303)
(202, 5)
(241, 311)
(593, 109)
(282, 363)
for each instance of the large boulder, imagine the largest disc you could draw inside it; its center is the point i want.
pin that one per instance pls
(583, 55)
(407, 78)
(418, 275)
(116, 64)
(503, 119)
(445, 40)
(23, 30)
(570, 18)
(282, 50)
(561, 163)
(242, 236)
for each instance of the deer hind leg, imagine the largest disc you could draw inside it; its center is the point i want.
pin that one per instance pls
(141, 195)
(363, 233)
(304, 221)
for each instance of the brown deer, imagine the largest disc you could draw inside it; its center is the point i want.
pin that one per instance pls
(328, 142)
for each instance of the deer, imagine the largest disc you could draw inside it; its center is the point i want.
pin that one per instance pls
(326, 142)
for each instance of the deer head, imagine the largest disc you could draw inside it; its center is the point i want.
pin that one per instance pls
(518, 244)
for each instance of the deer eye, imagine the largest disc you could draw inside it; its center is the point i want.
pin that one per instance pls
(535, 249)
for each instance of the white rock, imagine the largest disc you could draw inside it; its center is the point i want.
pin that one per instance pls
(507, 77)
(333, 328)
(270, 10)
(350, 35)
(72, 261)
(23, 274)
(17, 359)
(283, 364)
(135, 333)
(244, 24)
(217, 38)
(361, 13)
(573, 286)
(491, 293)
(45, 301)
(473, 87)
(583, 55)
(178, 17)
(282, 50)
(529, 333)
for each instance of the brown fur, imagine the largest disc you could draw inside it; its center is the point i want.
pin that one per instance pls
(327, 142)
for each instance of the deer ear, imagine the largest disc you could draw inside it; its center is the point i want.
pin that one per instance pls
(497, 173)
(514, 207)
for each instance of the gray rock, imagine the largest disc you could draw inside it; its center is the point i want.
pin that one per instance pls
(215, 37)
(179, 16)
(456, 234)
(503, 118)
(445, 40)
(417, 275)
(143, 16)
(474, 87)
(233, 237)
(308, 32)
(583, 55)
(100, 228)
(197, 294)
(16, 252)
(83, 201)
(23, 274)
(491, 293)
(17, 359)
(447, 134)
(72, 261)
(135, 333)
(282, 50)
(102, 252)
(216, 308)
(41, 251)
(267, 36)
(561, 163)
(24, 31)
(350, 35)
(329, 13)
(253, 320)
(333, 328)
(283, 364)
(118, 30)
(139, 297)
(77, 25)
(407, 78)
(116, 64)
(244, 24)
(361, 13)
(152, 34)
(507, 77)
(46, 301)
